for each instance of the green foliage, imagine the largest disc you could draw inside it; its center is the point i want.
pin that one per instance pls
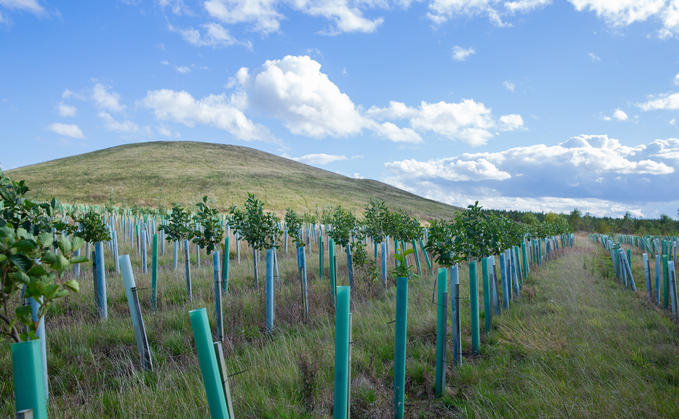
(403, 227)
(176, 228)
(376, 217)
(31, 258)
(212, 233)
(294, 223)
(92, 227)
(402, 268)
(259, 229)
(344, 223)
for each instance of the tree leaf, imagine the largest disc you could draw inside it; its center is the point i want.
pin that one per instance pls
(72, 285)
(21, 261)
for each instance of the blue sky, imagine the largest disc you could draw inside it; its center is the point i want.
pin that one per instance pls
(539, 105)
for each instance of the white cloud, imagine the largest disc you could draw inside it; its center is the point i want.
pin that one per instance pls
(176, 6)
(26, 5)
(451, 169)
(105, 99)
(113, 125)
(165, 62)
(510, 122)
(69, 94)
(441, 11)
(215, 36)
(319, 159)
(346, 15)
(593, 57)
(620, 13)
(676, 79)
(67, 130)
(669, 101)
(398, 135)
(215, 110)
(461, 54)
(66, 110)
(509, 86)
(620, 115)
(588, 170)
(164, 131)
(294, 90)
(468, 121)
(183, 69)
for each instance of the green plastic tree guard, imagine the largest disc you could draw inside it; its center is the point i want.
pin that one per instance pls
(474, 303)
(331, 259)
(342, 333)
(29, 390)
(225, 266)
(426, 256)
(487, 311)
(208, 364)
(417, 258)
(666, 281)
(400, 346)
(154, 272)
(441, 332)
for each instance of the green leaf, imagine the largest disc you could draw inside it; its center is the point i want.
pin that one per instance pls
(72, 285)
(21, 277)
(21, 261)
(79, 259)
(2, 258)
(37, 270)
(24, 245)
(64, 245)
(49, 257)
(76, 243)
(24, 314)
(45, 239)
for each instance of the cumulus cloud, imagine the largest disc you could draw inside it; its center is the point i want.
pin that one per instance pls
(587, 167)
(294, 90)
(461, 54)
(117, 126)
(618, 115)
(593, 57)
(67, 130)
(263, 15)
(669, 101)
(319, 159)
(32, 6)
(104, 99)
(214, 35)
(67, 94)
(441, 11)
(509, 86)
(620, 13)
(468, 121)
(183, 69)
(177, 7)
(676, 79)
(215, 110)
(66, 110)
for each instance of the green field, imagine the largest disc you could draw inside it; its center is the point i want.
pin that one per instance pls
(179, 171)
(575, 344)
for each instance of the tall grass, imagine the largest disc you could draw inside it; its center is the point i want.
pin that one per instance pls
(575, 344)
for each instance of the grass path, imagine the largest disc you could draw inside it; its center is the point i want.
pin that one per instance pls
(576, 346)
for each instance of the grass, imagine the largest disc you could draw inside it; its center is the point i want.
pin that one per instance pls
(181, 171)
(576, 344)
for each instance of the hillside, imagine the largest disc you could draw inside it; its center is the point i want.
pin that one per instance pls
(179, 171)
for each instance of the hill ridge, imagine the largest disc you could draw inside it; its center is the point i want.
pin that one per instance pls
(162, 172)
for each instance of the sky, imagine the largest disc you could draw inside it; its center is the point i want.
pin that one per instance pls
(534, 105)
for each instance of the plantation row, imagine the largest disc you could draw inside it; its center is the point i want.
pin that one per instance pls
(40, 242)
(663, 250)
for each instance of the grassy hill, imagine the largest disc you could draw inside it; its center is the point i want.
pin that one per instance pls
(181, 171)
